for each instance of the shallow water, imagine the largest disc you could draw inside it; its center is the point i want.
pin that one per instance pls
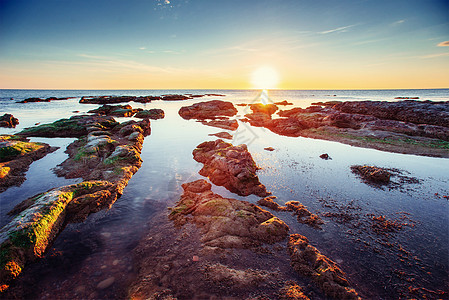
(102, 247)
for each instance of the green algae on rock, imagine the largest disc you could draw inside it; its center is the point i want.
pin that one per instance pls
(40, 218)
(226, 223)
(153, 114)
(16, 155)
(309, 262)
(76, 126)
(106, 157)
(230, 166)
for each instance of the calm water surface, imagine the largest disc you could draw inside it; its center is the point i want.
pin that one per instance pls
(101, 247)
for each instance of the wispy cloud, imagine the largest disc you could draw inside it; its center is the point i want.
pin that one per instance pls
(435, 55)
(443, 44)
(398, 22)
(338, 30)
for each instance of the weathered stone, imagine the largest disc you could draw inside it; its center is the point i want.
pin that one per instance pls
(230, 166)
(309, 262)
(208, 110)
(16, 155)
(153, 114)
(9, 121)
(226, 223)
(372, 174)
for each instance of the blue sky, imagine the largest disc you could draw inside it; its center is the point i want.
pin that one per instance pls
(219, 44)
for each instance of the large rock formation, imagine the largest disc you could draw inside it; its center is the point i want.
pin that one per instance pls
(226, 223)
(404, 126)
(106, 158)
(230, 166)
(208, 110)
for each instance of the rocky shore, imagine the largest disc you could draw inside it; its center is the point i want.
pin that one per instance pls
(106, 156)
(411, 127)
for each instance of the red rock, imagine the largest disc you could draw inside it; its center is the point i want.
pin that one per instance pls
(309, 262)
(8, 120)
(208, 110)
(230, 166)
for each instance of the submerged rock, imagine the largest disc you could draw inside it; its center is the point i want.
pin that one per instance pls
(9, 121)
(16, 155)
(222, 135)
(223, 124)
(225, 222)
(208, 110)
(153, 114)
(304, 216)
(292, 291)
(230, 166)
(372, 174)
(309, 262)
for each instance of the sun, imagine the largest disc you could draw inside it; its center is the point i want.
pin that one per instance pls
(265, 78)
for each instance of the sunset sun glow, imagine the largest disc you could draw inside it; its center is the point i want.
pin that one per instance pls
(265, 78)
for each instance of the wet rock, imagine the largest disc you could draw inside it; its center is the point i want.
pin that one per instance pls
(115, 110)
(372, 174)
(106, 158)
(225, 275)
(119, 99)
(269, 202)
(285, 102)
(225, 222)
(43, 100)
(222, 135)
(9, 121)
(40, 218)
(325, 156)
(304, 216)
(309, 262)
(153, 114)
(208, 110)
(416, 127)
(230, 166)
(177, 97)
(223, 124)
(418, 112)
(106, 283)
(76, 126)
(16, 155)
(267, 109)
(292, 291)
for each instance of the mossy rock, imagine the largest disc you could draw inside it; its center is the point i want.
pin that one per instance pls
(13, 148)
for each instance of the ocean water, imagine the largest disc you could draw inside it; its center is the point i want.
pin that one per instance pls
(103, 246)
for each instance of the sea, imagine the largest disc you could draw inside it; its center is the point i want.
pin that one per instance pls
(409, 261)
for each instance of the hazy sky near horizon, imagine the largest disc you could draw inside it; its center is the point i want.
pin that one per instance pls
(152, 44)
